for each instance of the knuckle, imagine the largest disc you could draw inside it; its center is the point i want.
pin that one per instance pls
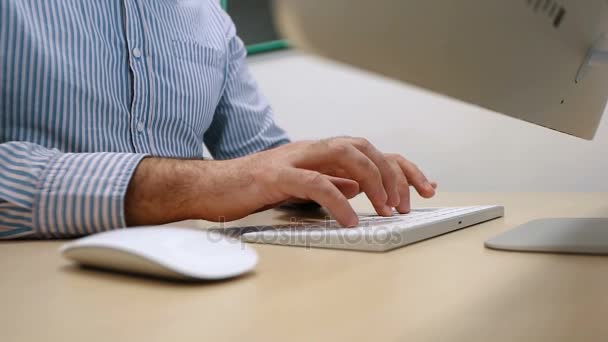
(403, 182)
(394, 165)
(363, 143)
(322, 144)
(376, 174)
(398, 172)
(338, 148)
(418, 173)
(410, 164)
(398, 180)
(368, 168)
(401, 159)
(365, 164)
(313, 179)
(327, 192)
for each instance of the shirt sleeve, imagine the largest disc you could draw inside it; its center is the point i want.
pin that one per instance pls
(48, 194)
(243, 122)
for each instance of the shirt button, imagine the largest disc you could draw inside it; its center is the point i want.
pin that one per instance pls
(140, 127)
(136, 52)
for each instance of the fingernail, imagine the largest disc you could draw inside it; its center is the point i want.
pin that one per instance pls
(353, 222)
(388, 211)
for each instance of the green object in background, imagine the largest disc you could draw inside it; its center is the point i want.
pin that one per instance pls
(254, 24)
(267, 46)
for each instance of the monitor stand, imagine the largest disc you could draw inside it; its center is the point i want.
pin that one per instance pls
(597, 56)
(560, 235)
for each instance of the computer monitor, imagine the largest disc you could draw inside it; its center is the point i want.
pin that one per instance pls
(523, 58)
(535, 60)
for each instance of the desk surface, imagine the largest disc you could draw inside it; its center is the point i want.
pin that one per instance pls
(449, 288)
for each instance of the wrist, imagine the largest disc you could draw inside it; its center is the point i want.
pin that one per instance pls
(162, 191)
(216, 190)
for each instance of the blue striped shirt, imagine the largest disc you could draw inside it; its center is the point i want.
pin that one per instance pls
(89, 88)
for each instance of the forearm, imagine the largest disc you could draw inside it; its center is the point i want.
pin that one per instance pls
(161, 191)
(168, 190)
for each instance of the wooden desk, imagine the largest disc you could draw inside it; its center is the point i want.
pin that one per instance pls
(448, 288)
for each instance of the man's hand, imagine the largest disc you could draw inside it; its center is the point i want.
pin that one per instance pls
(328, 172)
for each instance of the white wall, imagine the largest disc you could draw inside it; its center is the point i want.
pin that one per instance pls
(463, 147)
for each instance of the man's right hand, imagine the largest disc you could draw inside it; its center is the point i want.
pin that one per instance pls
(328, 171)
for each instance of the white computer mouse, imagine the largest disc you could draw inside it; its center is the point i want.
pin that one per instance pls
(163, 251)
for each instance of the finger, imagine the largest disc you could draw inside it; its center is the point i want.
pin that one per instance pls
(390, 176)
(415, 177)
(358, 167)
(404, 190)
(314, 186)
(348, 187)
(366, 173)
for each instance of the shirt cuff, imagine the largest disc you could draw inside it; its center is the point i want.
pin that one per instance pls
(83, 193)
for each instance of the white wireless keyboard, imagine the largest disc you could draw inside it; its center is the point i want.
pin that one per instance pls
(374, 233)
